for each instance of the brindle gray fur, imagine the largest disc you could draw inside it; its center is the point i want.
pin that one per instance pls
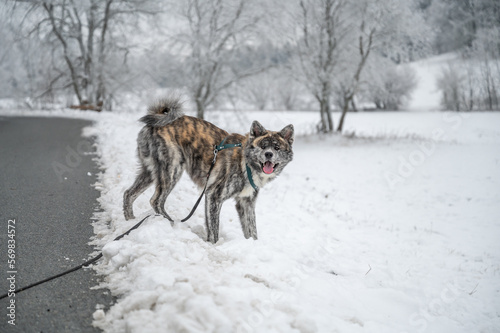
(171, 143)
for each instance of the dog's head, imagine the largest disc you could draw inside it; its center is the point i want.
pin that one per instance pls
(268, 152)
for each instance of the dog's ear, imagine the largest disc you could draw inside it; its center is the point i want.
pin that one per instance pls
(257, 129)
(287, 134)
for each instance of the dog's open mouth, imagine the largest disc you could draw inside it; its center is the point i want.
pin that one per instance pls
(268, 167)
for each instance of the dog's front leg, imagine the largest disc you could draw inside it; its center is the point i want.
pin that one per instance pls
(213, 204)
(246, 211)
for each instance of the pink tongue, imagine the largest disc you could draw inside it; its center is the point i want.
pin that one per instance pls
(268, 167)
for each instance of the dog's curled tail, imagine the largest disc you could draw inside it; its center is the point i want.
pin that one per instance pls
(162, 112)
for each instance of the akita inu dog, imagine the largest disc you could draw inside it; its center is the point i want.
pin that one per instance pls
(171, 142)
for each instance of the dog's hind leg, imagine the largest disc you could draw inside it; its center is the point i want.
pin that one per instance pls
(246, 210)
(167, 179)
(141, 183)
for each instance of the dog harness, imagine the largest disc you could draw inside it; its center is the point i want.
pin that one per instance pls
(223, 146)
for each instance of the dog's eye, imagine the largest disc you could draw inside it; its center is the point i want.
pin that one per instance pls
(276, 147)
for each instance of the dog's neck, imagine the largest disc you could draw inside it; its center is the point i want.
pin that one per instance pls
(260, 179)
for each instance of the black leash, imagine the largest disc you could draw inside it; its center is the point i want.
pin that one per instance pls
(201, 195)
(204, 189)
(99, 256)
(87, 263)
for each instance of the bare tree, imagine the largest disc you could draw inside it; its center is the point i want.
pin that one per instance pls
(336, 38)
(365, 36)
(390, 89)
(485, 54)
(270, 90)
(11, 71)
(322, 28)
(80, 34)
(473, 83)
(217, 30)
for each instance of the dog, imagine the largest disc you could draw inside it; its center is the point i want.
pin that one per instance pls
(171, 143)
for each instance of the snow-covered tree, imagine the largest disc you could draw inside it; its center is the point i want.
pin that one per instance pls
(216, 31)
(389, 89)
(270, 90)
(335, 41)
(85, 43)
(470, 28)
(321, 28)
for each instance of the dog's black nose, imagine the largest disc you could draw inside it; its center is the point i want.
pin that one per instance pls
(269, 155)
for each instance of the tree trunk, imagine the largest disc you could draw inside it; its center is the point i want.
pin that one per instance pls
(322, 116)
(495, 96)
(200, 109)
(74, 79)
(101, 86)
(364, 51)
(488, 89)
(324, 105)
(345, 108)
(353, 106)
(329, 118)
(326, 125)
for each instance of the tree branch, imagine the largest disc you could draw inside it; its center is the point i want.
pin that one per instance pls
(50, 12)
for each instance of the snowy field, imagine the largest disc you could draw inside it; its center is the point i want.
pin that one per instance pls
(394, 229)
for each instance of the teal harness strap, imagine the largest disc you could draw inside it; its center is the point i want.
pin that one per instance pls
(223, 146)
(250, 178)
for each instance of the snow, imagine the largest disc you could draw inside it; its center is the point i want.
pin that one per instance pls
(392, 230)
(427, 96)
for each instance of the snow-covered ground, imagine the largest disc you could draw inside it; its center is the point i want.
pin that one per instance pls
(393, 230)
(427, 96)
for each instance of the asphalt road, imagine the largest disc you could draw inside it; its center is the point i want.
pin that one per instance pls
(46, 174)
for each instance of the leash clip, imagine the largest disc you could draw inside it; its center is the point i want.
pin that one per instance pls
(215, 154)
